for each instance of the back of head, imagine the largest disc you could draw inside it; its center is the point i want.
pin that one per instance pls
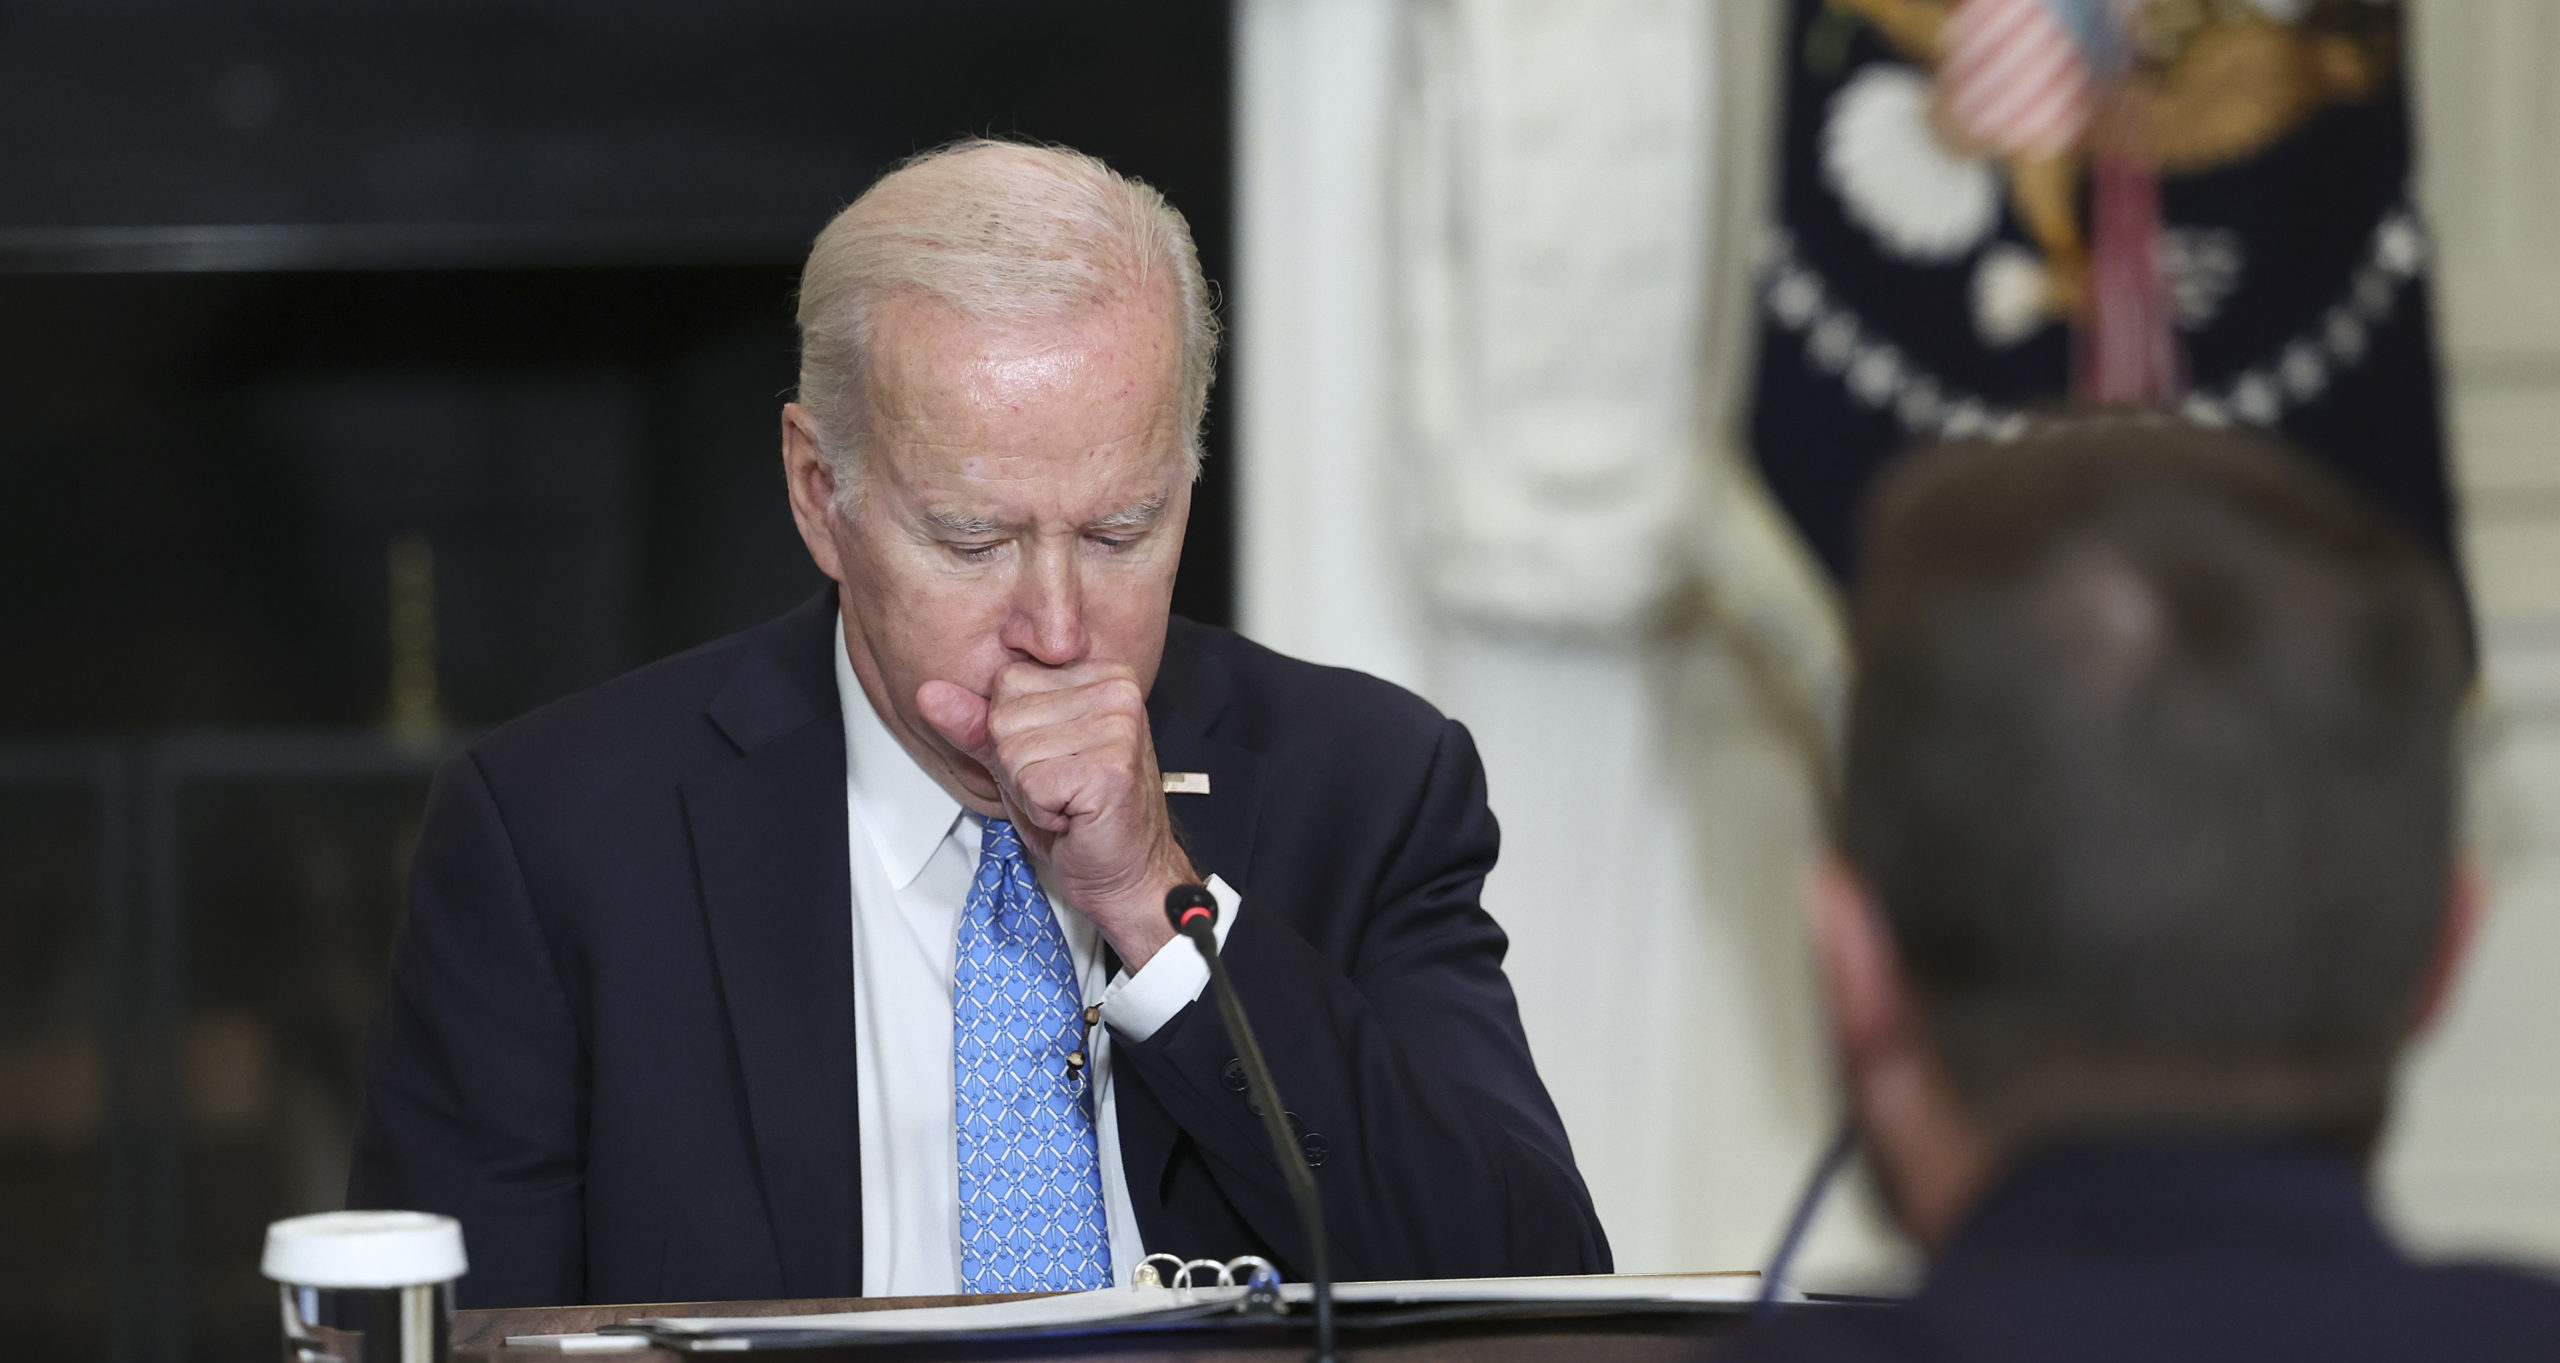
(1003, 233)
(2151, 767)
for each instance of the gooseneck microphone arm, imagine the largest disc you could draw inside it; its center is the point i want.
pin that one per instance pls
(1194, 914)
(1825, 1171)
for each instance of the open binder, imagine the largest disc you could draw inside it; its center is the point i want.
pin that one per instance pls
(1118, 1310)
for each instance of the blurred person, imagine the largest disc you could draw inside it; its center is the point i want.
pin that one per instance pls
(831, 957)
(2146, 875)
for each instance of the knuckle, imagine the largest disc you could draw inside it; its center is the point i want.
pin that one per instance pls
(1009, 754)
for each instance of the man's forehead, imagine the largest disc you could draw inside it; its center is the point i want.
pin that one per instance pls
(983, 427)
(1031, 389)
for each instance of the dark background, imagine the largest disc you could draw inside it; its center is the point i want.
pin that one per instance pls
(282, 284)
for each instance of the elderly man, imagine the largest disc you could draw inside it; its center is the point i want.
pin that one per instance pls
(2146, 877)
(831, 958)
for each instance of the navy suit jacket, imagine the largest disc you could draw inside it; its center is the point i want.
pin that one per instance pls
(2199, 1251)
(619, 1038)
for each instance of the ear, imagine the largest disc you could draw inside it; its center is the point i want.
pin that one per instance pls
(1862, 987)
(811, 482)
(2464, 893)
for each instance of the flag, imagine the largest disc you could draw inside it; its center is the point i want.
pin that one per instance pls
(1991, 206)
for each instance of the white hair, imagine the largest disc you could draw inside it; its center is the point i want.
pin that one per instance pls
(1001, 232)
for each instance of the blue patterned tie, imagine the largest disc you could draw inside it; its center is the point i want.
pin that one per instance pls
(1030, 1178)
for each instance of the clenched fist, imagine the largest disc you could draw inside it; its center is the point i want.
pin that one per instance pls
(1071, 753)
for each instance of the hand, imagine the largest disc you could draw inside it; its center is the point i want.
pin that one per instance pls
(1075, 763)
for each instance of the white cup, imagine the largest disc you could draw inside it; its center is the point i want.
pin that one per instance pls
(366, 1287)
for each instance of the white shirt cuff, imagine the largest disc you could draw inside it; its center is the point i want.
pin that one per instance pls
(1136, 1005)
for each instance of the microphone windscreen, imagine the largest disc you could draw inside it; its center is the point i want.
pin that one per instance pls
(1185, 905)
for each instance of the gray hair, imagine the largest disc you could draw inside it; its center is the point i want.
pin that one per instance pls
(999, 232)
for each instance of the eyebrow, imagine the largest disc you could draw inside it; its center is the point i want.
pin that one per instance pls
(961, 525)
(1134, 516)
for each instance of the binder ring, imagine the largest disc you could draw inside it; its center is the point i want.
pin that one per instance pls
(1182, 1276)
(1250, 1267)
(1250, 1271)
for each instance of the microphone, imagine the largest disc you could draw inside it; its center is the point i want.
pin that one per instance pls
(1194, 914)
(1834, 1157)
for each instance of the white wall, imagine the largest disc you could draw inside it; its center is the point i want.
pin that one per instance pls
(1318, 572)
(1655, 814)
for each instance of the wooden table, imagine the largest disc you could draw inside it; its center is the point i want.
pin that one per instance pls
(480, 1337)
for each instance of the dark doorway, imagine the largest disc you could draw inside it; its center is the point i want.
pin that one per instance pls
(330, 334)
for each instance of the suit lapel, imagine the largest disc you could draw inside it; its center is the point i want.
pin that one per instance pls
(769, 845)
(1217, 829)
(1183, 711)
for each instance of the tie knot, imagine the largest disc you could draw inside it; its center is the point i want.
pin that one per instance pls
(1000, 841)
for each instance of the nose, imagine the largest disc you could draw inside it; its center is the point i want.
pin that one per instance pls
(1046, 622)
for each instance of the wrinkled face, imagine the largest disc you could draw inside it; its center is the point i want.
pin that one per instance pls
(1024, 500)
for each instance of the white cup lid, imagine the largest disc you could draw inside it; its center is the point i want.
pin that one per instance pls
(364, 1249)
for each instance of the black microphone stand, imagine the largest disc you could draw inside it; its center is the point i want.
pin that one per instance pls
(1825, 1170)
(1194, 913)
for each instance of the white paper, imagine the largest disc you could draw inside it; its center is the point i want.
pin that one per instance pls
(1102, 1305)
(582, 1343)
(1631, 1289)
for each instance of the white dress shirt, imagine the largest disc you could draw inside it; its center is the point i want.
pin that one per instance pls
(914, 852)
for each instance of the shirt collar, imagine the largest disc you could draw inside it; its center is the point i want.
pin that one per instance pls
(908, 811)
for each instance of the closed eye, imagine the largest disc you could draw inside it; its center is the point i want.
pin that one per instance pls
(1128, 525)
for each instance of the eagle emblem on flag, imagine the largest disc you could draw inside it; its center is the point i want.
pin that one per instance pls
(1992, 205)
